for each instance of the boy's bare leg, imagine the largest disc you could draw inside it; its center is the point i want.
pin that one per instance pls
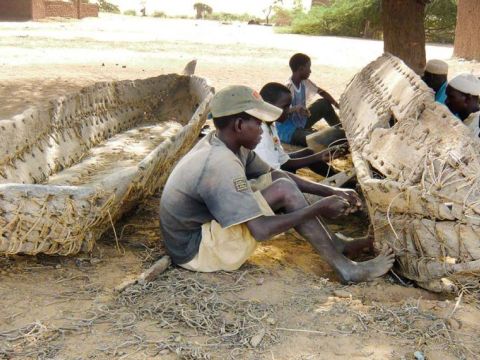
(352, 247)
(284, 195)
(349, 247)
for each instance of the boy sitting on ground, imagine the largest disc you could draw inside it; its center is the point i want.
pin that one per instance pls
(221, 198)
(270, 148)
(295, 129)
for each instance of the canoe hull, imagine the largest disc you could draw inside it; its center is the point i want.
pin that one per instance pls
(419, 169)
(49, 202)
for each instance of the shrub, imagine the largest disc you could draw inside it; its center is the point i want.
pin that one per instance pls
(159, 14)
(223, 16)
(105, 6)
(362, 18)
(342, 18)
(283, 17)
(130, 12)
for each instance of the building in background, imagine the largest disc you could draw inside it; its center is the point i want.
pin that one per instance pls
(22, 10)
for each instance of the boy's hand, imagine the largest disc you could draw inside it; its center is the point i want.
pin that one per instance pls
(335, 103)
(335, 152)
(299, 109)
(333, 207)
(328, 97)
(351, 197)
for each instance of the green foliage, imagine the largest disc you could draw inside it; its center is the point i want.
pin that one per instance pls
(223, 16)
(130, 12)
(268, 10)
(341, 18)
(159, 14)
(440, 21)
(282, 16)
(105, 6)
(362, 18)
(285, 17)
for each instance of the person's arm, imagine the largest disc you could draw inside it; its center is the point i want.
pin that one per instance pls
(326, 155)
(301, 153)
(265, 227)
(328, 97)
(311, 187)
(299, 109)
(298, 163)
(324, 94)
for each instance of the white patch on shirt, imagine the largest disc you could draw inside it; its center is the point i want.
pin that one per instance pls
(240, 184)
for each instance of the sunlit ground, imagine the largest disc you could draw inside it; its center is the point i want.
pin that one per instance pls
(65, 307)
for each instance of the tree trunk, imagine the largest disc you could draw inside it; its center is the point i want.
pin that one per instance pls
(467, 33)
(404, 31)
(199, 13)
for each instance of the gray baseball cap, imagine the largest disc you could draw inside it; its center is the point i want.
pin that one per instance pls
(238, 98)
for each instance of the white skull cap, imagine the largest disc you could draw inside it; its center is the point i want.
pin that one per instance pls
(437, 67)
(466, 83)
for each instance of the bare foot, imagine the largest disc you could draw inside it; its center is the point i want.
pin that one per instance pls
(353, 247)
(369, 270)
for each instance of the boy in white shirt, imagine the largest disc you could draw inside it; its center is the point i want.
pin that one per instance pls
(270, 148)
(298, 125)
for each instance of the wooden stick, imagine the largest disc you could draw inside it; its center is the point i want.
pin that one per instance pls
(148, 275)
(303, 330)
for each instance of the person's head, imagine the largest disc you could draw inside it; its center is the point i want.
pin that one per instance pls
(300, 64)
(435, 74)
(462, 95)
(278, 95)
(238, 112)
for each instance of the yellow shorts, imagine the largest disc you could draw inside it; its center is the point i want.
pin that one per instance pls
(226, 249)
(261, 182)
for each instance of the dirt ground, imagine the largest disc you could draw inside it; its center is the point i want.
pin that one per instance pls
(285, 303)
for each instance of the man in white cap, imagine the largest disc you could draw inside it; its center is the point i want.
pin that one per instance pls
(435, 76)
(221, 198)
(463, 92)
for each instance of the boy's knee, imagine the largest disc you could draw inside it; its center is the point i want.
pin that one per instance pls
(289, 190)
(322, 105)
(280, 174)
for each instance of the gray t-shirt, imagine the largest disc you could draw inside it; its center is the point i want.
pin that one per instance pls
(209, 183)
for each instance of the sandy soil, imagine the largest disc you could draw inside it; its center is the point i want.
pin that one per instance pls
(285, 303)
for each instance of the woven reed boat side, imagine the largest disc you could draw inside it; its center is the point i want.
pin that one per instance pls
(68, 173)
(419, 169)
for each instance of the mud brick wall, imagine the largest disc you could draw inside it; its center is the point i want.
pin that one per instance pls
(15, 9)
(60, 9)
(38, 9)
(88, 10)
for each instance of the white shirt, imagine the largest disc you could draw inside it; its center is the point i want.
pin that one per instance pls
(311, 90)
(270, 148)
(473, 122)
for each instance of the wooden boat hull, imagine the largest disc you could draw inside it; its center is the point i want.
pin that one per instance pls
(67, 174)
(419, 169)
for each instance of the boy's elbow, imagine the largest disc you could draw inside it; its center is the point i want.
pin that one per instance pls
(262, 236)
(259, 233)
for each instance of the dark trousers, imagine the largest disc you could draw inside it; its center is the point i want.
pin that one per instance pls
(320, 109)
